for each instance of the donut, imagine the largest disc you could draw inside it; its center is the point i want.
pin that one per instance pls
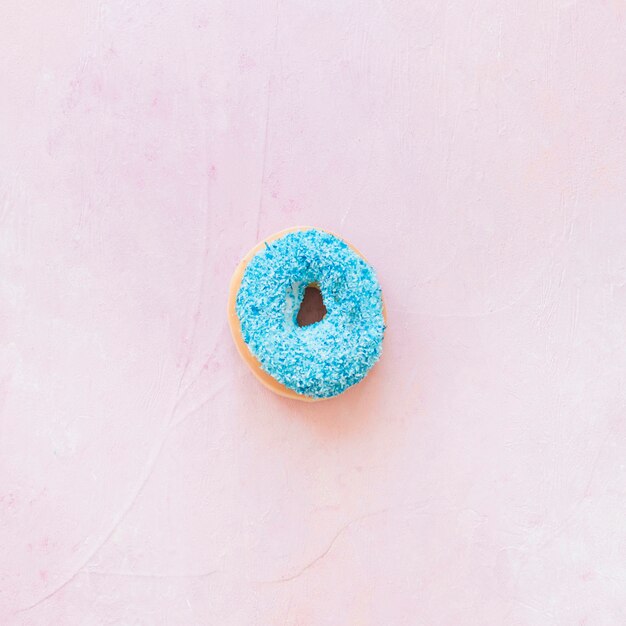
(318, 360)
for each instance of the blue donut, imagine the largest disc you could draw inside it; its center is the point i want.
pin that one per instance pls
(325, 358)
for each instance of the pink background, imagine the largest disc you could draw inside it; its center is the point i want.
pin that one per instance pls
(474, 151)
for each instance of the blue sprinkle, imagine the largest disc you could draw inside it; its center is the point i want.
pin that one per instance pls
(323, 359)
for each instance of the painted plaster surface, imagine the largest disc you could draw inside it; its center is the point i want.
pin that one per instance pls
(474, 151)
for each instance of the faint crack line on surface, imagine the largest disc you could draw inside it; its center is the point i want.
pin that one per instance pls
(585, 494)
(596, 461)
(194, 328)
(361, 186)
(215, 391)
(146, 473)
(47, 597)
(181, 395)
(318, 558)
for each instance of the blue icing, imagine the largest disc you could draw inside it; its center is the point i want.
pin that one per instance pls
(323, 359)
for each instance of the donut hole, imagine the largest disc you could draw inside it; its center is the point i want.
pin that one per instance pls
(312, 309)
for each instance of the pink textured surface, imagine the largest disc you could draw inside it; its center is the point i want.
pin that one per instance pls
(474, 151)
